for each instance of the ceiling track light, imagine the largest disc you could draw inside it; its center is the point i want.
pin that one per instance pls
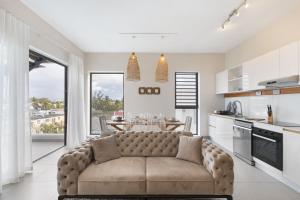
(234, 12)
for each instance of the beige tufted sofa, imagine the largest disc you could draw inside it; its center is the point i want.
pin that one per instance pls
(147, 166)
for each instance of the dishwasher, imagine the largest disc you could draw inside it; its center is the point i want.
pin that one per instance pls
(242, 140)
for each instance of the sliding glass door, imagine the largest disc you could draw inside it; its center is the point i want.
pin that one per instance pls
(48, 94)
(106, 98)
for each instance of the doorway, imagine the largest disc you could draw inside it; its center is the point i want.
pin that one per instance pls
(48, 104)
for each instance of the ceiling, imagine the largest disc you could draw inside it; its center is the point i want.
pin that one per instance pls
(95, 25)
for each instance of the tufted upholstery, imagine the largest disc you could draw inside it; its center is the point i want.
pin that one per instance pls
(220, 165)
(70, 165)
(149, 143)
(145, 144)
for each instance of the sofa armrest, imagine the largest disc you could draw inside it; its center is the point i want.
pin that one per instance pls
(220, 165)
(70, 165)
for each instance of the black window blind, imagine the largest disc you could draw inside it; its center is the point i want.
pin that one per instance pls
(186, 90)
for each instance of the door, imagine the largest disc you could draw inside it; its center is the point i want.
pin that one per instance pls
(263, 68)
(48, 109)
(222, 82)
(289, 60)
(291, 156)
(224, 132)
(242, 141)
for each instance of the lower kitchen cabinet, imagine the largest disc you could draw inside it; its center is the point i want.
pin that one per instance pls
(221, 131)
(291, 156)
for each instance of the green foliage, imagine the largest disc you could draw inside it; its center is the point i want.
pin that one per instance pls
(104, 104)
(52, 128)
(46, 104)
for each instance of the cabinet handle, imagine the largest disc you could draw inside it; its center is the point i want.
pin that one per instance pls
(265, 138)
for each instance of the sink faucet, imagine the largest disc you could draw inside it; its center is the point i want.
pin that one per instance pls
(235, 108)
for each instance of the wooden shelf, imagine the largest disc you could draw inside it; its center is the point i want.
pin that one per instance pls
(291, 90)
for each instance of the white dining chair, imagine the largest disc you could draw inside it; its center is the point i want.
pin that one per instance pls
(187, 124)
(103, 127)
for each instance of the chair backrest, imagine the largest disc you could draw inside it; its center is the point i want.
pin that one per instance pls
(160, 143)
(188, 124)
(103, 126)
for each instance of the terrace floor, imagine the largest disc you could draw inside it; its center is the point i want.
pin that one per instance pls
(40, 149)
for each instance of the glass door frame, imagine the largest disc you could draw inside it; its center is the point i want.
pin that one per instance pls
(65, 89)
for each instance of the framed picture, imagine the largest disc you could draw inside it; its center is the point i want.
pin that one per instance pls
(156, 90)
(142, 90)
(149, 90)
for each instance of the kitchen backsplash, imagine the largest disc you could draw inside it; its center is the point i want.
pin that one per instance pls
(286, 108)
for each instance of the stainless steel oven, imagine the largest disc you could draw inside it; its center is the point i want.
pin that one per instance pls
(242, 140)
(268, 146)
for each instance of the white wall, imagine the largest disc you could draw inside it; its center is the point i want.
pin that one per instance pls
(43, 37)
(206, 64)
(285, 107)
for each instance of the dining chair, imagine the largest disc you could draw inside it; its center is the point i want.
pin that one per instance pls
(187, 124)
(103, 126)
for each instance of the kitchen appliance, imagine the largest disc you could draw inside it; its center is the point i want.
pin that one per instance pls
(267, 146)
(281, 82)
(242, 140)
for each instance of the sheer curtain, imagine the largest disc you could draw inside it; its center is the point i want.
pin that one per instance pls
(15, 138)
(76, 128)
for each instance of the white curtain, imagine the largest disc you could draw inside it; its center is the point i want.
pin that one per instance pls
(15, 137)
(76, 128)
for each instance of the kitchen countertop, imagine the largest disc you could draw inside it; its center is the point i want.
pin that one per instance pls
(261, 123)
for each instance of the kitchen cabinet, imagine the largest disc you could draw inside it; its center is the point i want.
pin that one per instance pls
(263, 68)
(222, 82)
(289, 56)
(291, 156)
(221, 131)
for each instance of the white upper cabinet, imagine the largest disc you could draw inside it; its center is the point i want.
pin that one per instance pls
(289, 60)
(262, 68)
(222, 82)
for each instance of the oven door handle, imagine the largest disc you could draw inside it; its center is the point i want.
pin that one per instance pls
(265, 138)
(236, 126)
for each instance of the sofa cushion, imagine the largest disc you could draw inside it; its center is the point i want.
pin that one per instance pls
(168, 175)
(122, 176)
(105, 149)
(190, 149)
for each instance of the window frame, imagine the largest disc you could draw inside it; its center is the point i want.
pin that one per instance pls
(91, 89)
(65, 88)
(197, 98)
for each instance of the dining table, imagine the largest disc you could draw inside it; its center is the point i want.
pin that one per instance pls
(123, 125)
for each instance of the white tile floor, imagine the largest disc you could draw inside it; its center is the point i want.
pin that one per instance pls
(250, 183)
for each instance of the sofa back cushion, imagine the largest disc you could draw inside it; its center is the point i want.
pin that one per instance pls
(190, 149)
(163, 144)
(105, 149)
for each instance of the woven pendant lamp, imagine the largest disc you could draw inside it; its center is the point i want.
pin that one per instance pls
(161, 74)
(133, 69)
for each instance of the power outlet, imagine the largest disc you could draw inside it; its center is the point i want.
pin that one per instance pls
(276, 92)
(258, 93)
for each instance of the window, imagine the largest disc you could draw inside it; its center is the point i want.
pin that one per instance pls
(186, 97)
(106, 98)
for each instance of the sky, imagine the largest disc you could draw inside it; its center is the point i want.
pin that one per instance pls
(47, 82)
(109, 84)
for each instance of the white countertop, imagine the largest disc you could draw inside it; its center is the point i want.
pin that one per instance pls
(262, 124)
